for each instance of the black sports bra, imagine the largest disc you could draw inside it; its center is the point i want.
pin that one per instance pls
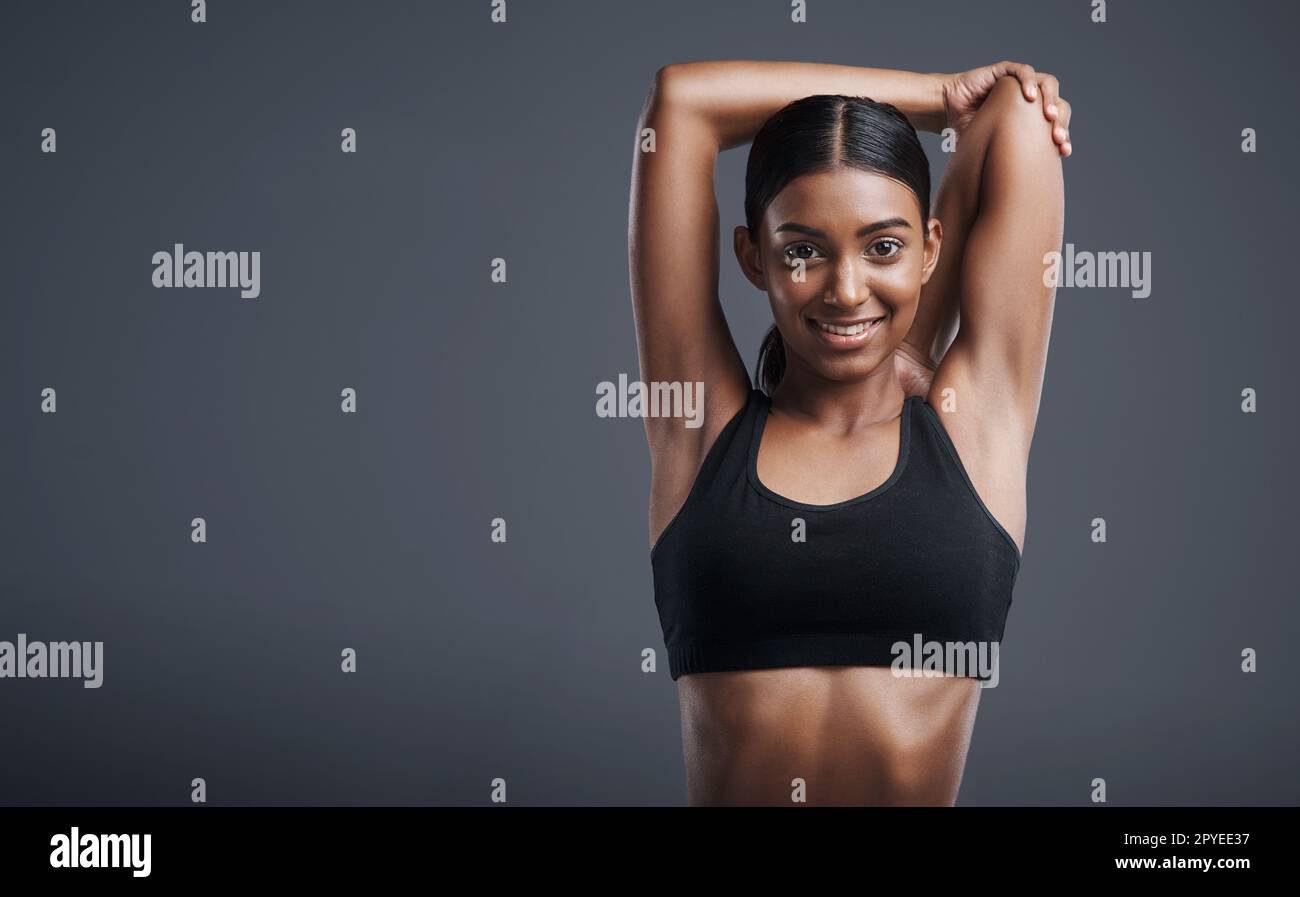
(917, 560)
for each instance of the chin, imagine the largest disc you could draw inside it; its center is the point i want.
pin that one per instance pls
(847, 370)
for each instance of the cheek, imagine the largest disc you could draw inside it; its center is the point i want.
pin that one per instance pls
(899, 282)
(789, 295)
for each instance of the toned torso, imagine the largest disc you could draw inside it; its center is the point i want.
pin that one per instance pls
(853, 735)
(850, 735)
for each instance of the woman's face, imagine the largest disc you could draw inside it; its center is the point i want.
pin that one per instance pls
(861, 242)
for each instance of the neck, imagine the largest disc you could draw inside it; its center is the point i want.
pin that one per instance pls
(842, 404)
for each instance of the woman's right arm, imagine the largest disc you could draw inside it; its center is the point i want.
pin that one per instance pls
(682, 335)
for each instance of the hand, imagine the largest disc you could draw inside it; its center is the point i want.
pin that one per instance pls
(964, 93)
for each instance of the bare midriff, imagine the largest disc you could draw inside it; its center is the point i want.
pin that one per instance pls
(853, 736)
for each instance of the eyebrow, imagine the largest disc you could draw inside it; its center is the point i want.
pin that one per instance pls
(862, 232)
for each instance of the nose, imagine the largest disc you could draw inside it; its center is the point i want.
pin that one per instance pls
(848, 287)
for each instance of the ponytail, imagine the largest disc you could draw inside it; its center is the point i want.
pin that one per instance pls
(771, 361)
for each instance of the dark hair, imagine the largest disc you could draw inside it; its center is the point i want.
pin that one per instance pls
(819, 133)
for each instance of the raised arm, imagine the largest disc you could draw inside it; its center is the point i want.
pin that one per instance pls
(956, 204)
(1005, 194)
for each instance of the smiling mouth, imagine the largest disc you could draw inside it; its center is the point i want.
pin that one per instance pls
(847, 333)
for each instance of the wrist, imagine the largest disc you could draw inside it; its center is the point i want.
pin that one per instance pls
(942, 83)
(934, 89)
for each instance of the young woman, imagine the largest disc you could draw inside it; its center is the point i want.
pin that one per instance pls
(871, 492)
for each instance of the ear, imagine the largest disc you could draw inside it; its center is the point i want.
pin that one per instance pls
(747, 254)
(933, 244)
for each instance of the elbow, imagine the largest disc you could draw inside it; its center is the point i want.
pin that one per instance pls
(665, 79)
(667, 89)
(654, 97)
(1020, 120)
(668, 77)
(678, 99)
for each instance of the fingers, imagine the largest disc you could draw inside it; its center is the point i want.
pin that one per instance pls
(1064, 122)
(1057, 111)
(1064, 118)
(1051, 92)
(1060, 114)
(1028, 78)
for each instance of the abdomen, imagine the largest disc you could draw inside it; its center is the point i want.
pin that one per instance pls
(854, 735)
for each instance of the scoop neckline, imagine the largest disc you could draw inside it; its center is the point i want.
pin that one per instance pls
(751, 469)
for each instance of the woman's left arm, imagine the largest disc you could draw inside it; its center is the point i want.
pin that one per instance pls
(988, 385)
(937, 314)
(996, 363)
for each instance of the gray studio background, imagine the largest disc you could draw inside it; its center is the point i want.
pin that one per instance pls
(371, 531)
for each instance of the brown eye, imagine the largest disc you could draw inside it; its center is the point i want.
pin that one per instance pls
(800, 251)
(892, 248)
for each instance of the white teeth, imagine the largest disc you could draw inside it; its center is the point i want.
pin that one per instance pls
(850, 330)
